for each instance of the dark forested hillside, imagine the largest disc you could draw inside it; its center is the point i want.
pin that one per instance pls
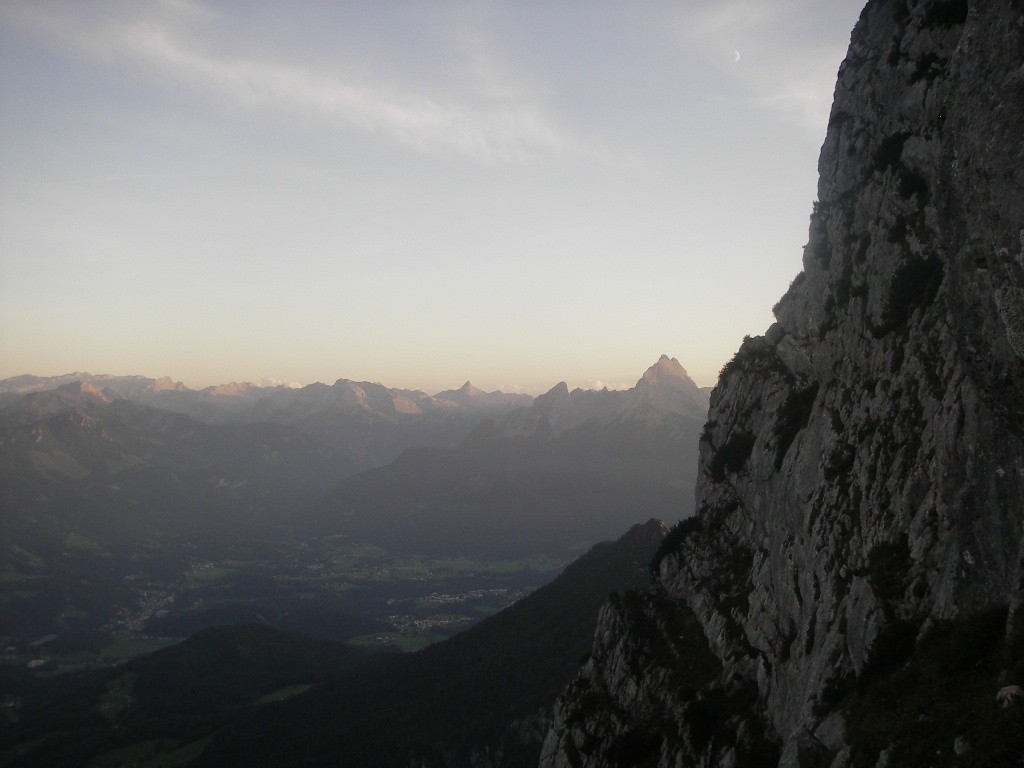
(481, 698)
(255, 696)
(164, 702)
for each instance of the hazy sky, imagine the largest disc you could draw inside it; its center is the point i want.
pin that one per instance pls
(415, 193)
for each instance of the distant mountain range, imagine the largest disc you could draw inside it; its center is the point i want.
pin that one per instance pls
(664, 392)
(97, 470)
(127, 455)
(234, 398)
(109, 457)
(570, 468)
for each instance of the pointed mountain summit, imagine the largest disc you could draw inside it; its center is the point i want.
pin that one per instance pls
(664, 391)
(666, 387)
(557, 396)
(667, 368)
(468, 390)
(575, 466)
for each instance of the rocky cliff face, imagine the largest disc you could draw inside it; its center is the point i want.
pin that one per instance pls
(862, 468)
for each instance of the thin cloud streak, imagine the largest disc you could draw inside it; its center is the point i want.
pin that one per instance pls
(513, 131)
(501, 135)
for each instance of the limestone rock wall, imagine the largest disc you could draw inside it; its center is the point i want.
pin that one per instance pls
(862, 466)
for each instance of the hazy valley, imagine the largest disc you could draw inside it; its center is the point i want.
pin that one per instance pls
(133, 509)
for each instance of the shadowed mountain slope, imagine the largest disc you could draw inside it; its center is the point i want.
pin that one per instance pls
(167, 700)
(480, 698)
(257, 696)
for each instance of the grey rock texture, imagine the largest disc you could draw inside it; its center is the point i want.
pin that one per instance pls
(863, 461)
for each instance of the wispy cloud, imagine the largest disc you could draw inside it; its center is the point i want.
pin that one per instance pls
(781, 63)
(498, 134)
(503, 130)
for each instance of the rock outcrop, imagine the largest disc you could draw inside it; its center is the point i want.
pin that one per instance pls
(860, 497)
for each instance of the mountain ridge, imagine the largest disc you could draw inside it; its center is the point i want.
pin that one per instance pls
(237, 399)
(664, 390)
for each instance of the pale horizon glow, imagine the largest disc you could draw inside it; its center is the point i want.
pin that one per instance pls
(409, 193)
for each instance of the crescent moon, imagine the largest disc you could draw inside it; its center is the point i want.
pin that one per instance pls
(737, 56)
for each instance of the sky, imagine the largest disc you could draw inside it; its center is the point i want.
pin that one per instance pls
(415, 193)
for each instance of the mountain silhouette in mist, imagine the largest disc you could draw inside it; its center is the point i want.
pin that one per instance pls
(570, 469)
